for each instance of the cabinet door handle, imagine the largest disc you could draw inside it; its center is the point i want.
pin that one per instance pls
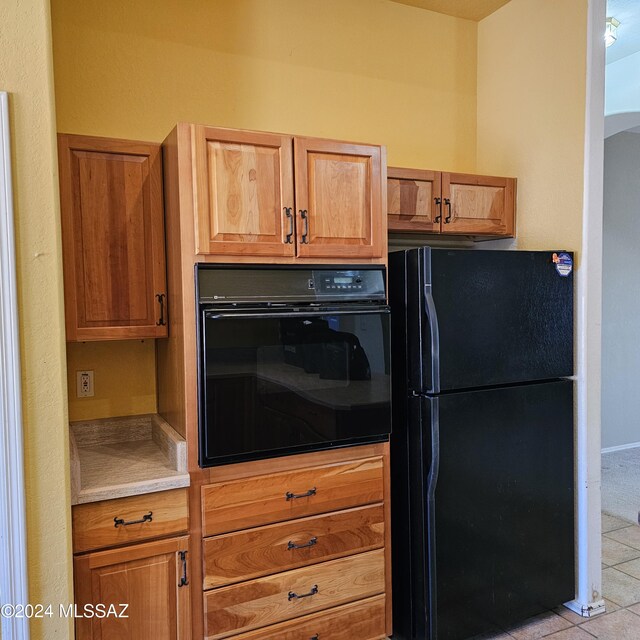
(293, 545)
(305, 219)
(119, 522)
(447, 202)
(438, 204)
(160, 297)
(316, 637)
(296, 596)
(306, 494)
(183, 578)
(289, 214)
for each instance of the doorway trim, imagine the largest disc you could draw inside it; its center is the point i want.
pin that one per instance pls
(13, 545)
(589, 600)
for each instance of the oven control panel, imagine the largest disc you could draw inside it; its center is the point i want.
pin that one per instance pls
(345, 282)
(224, 284)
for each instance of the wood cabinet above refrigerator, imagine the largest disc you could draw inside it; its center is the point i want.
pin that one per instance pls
(425, 201)
(266, 195)
(112, 238)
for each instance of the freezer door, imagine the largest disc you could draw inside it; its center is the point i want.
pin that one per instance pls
(504, 505)
(490, 318)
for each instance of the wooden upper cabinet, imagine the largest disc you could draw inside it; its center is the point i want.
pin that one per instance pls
(243, 193)
(113, 238)
(277, 198)
(421, 200)
(338, 199)
(413, 200)
(478, 205)
(149, 578)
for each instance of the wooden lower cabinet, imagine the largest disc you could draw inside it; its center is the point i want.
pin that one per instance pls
(110, 523)
(149, 578)
(243, 503)
(298, 548)
(261, 551)
(363, 620)
(287, 595)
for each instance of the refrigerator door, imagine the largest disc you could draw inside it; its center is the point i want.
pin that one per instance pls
(503, 505)
(489, 318)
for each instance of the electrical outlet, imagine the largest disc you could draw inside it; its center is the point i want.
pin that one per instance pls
(84, 384)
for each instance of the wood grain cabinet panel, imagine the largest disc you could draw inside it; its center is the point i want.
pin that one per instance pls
(113, 238)
(424, 201)
(362, 620)
(141, 517)
(149, 578)
(338, 198)
(478, 205)
(283, 596)
(280, 198)
(240, 504)
(413, 200)
(244, 193)
(264, 550)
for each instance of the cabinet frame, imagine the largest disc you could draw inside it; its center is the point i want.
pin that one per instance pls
(86, 589)
(77, 329)
(204, 218)
(445, 218)
(310, 243)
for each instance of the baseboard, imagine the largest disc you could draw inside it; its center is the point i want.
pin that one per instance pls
(586, 611)
(622, 447)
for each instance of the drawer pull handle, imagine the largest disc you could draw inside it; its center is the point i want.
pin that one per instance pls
(316, 637)
(293, 496)
(295, 596)
(293, 545)
(145, 518)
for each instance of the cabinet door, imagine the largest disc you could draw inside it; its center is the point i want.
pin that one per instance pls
(243, 193)
(414, 200)
(478, 205)
(338, 199)
(113, 238)
(147, 577)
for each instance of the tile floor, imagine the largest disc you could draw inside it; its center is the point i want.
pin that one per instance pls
(621, 588)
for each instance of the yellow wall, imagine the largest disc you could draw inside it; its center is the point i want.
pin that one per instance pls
(26, 72)
(124, 378)
(364, 70)
(531, 114)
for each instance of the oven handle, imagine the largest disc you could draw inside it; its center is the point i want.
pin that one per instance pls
(212, 315)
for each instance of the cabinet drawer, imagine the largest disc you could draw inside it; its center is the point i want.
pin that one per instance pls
(114, 522)
(279, 547)
(260, 500)
(357, 621)
(258, 603)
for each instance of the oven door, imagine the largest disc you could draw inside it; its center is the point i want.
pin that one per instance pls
(276, 383)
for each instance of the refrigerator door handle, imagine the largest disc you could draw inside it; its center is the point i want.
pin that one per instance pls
(432, 481)
(432, 317)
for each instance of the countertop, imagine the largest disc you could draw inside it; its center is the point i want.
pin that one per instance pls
(118, 457)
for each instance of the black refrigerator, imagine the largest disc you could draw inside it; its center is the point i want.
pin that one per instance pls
(482, 449)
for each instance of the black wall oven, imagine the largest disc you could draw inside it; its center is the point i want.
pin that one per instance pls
(291, 360)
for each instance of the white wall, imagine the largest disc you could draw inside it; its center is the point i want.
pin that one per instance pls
(621, 291)
(622, 85)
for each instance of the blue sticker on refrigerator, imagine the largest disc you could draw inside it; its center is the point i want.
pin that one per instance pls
(564, 263)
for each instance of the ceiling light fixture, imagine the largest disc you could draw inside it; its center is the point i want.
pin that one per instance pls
(611, 31)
